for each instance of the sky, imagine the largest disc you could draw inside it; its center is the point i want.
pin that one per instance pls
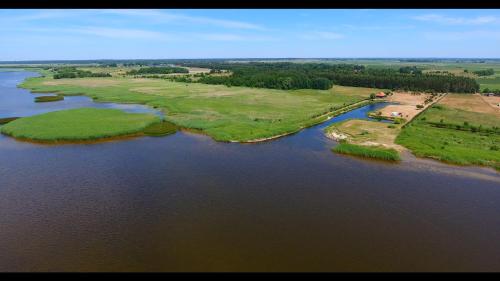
(229, 33)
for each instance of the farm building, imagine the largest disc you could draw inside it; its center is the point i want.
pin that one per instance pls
(381, 95)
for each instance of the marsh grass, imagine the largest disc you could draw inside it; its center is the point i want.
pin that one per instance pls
(387, 154)
(160, 129)
(7, 120)
(82, 124)
(450, 145)
(49, 98)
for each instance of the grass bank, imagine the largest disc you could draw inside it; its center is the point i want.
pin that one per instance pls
(82, 124)
(386, 154)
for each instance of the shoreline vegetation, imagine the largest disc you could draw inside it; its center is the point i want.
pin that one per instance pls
(375, 152)
(49, 98)
(6, 120)
(83, 125)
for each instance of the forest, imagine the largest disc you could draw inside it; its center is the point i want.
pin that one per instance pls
(72, 72)
(158, 70)
(486, 72)
(323, 76)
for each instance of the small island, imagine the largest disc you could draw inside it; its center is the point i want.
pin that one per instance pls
(49, 98)
(85, 124)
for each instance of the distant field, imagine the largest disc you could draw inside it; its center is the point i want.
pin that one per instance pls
(455, 131)
(224, 113)
(490, 83)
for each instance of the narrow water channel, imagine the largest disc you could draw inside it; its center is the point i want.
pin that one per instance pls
(187, 203)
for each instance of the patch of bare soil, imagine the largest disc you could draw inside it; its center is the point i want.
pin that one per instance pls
(407, 105)
(475, 103)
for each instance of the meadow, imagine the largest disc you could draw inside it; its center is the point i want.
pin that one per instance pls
(224, 113)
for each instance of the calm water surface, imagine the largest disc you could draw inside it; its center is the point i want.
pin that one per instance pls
(187, 203)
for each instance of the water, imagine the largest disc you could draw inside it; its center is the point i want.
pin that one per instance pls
(187, 203)
(17, 102)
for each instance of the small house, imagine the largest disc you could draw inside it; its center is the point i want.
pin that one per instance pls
(381, 95)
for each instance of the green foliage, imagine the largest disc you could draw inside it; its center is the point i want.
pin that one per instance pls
(306, 76)
(160, 129)
(78, 125)
(399, 120)
(410, 70)
(73, 72)
(7, 120)
(381, 153)
(486, 72)
(158, 70)
(49, 98)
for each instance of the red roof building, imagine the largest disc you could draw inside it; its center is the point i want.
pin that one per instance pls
(381, 95)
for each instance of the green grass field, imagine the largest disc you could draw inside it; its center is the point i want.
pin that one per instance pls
(490, 83)
(451, 145)
(458, 117)
(80, 124)
(387, 154)
(224, 113)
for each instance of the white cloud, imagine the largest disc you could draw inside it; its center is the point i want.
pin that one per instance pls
(464, 35)
(377, 27)
(126, 33)
(457, 20)
(108, 32)
(233, 37)
(120, 33)
(314, 35)
(162, 16)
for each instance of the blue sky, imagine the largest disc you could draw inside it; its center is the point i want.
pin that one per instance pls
(147, 34)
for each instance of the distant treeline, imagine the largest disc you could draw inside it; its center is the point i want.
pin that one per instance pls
(494, 91)
(486, 72)
(323, 76)
(277, 75)
(158, 70)
(72, 72)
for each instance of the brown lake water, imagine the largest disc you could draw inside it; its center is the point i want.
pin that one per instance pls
(187, 203)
